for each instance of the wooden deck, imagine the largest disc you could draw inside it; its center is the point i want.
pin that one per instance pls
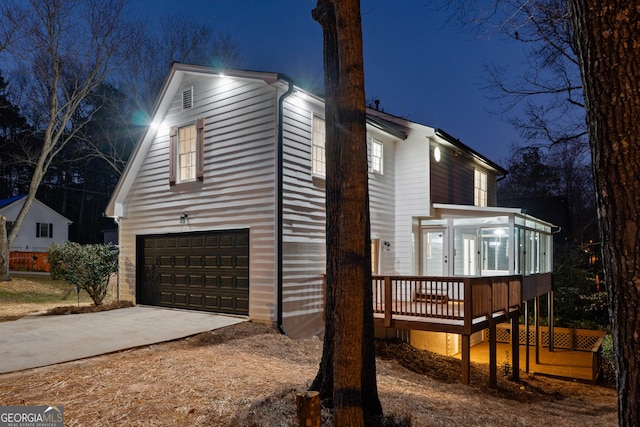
(459, 305)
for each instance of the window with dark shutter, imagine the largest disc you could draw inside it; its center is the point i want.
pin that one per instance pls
(44, 229)
(186, 153)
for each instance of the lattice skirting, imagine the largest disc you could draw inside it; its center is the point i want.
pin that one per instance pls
(568, 338)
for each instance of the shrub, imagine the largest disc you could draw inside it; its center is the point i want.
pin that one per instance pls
(88, 267)
(608, 361)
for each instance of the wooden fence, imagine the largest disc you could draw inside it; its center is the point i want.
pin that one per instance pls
(28, 261)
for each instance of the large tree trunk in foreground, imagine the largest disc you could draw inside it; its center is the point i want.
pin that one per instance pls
(607, 36)
(347, 374)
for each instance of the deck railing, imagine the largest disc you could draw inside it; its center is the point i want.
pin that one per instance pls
(445, 298)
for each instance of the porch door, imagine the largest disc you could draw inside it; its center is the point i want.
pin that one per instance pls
(470, 254)
(433, 252)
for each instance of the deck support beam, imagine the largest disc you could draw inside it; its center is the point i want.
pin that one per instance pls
(493, 359)
(466, 359)
(526, 336)
(515, 348)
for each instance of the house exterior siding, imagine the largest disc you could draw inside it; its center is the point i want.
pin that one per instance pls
(382, 202)
(413, 196)
(241, 188)
(239, 159)
(303, 228)
(452, 178)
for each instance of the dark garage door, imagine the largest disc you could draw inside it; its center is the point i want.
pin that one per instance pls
(200, 271)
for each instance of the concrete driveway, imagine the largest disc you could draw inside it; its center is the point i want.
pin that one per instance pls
(35, 341)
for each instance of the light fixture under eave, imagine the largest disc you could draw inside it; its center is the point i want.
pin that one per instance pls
(183, 217)
(436, 154)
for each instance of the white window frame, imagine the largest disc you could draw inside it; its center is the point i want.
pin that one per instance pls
(318, 147)
(44, 230)
(187, 153)
(376, 160)
(479, 188)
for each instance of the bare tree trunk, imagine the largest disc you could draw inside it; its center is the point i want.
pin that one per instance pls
(4, 250)
(347, 374)
(606, 34)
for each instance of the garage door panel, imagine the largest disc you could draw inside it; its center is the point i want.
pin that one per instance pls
(201, 271)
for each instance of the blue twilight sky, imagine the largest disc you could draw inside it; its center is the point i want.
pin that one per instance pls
(418, 63)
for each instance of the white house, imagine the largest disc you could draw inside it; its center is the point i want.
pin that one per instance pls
(222, 207)
(41, 228)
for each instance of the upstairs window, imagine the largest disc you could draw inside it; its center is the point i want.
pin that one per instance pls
(319, 165)
(480, 188)
(187, 153)
(376, 160)
(186, 162)
(44, 229)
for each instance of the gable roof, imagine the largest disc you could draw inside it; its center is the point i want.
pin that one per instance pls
(393, 125)
(17, 199)
(403, 123)
(10, 200)
(169, 88)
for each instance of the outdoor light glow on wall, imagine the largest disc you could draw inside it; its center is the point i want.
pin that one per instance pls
(436, 154)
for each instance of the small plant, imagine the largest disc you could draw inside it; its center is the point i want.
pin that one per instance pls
(608, 360)
(87, 267)
(506, 366)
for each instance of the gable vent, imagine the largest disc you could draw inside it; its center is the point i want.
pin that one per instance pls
(187, 98)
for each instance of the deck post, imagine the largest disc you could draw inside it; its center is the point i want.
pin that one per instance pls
(515, 348)
(536, 318)
(388, 301)
(493, 379)
(550, 317)
(526, 336)
(468, 306)
(466, 359)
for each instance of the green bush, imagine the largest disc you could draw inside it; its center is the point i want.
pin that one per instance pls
(608, 361)
(88, 267)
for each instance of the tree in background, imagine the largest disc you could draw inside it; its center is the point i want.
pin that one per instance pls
(60, 70)
(78, 155)
(175, 38)
(347, 374)
(606, 38)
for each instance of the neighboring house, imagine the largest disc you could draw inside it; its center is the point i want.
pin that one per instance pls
(41, 228)
(222, 204)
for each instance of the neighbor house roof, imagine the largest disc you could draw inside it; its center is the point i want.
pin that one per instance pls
(10, 200)
(5, 203)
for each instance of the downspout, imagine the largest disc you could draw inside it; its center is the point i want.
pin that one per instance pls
(280, 215)
(116, 219)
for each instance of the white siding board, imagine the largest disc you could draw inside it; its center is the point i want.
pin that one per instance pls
(412, 196)
(303, 223)
(382, 203)
(238, 188)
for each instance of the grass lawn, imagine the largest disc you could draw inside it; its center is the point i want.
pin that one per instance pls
(38, 289)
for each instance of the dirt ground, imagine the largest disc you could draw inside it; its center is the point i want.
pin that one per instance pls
(248, 375)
